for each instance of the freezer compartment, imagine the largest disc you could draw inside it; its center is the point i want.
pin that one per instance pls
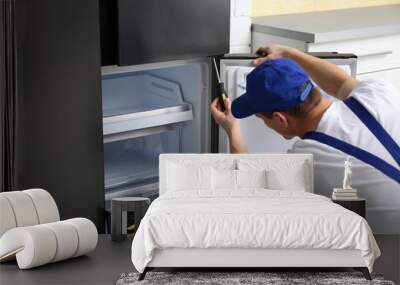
(148, 110)
(130, 164)
(149, 99)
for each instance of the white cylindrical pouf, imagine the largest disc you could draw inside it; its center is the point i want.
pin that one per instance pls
(45, 205)
(7, 218)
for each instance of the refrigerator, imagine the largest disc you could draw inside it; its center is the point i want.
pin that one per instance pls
(163, 107)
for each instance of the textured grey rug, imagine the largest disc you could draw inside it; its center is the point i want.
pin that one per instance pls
(244, 278)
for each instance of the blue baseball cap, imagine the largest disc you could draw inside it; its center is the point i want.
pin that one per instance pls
(275, 85)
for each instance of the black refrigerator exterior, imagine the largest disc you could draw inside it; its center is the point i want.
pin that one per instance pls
(58, 137)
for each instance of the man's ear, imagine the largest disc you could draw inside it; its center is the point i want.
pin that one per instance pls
(280, 118)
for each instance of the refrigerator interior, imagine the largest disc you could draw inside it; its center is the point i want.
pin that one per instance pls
(258, 137)
(148, 110)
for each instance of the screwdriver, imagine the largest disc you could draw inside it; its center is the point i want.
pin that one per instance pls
(261, 53)
(220, 89)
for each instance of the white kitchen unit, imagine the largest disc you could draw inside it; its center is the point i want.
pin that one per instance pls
(373, 34)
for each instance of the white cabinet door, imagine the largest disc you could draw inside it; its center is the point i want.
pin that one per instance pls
(391, 75)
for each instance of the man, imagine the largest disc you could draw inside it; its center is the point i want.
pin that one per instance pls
(280, 93)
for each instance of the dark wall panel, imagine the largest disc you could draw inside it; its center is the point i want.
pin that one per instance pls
(59, 142)
(7, 96)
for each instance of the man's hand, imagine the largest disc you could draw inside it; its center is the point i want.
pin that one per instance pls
(272, 52)
(224, 118)
(230, 124)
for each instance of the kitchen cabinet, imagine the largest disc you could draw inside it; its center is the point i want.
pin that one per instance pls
(372, 34)
(378, 57)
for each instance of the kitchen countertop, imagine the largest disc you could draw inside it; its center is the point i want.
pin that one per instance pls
(325, 26)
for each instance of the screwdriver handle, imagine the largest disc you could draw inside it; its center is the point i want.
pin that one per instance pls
(261, 53)
(221, 95)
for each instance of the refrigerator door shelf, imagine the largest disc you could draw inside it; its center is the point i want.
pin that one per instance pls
(145, 123)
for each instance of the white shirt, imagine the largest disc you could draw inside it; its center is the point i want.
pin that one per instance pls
(382, 101)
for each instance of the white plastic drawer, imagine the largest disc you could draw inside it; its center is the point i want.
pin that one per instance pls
(374, 54)
(135, 161)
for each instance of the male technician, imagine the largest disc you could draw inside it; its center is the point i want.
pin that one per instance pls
(364, 124)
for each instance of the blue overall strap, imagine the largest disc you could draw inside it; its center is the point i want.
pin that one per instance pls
(375, 127)
(357, 152)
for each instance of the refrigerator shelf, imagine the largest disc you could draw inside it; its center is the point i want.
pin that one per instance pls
(133, 125)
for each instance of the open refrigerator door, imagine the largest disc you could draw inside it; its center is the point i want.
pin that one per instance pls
(233, 71)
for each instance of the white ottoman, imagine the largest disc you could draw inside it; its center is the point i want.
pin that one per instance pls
(31, 230)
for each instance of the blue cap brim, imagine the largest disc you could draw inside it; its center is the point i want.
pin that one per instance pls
(241, 108)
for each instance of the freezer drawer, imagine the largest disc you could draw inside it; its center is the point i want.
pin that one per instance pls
(132, 163)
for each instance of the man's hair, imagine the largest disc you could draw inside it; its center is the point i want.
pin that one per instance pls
(302, 109)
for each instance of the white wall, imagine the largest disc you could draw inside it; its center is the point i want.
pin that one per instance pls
(240, 35)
